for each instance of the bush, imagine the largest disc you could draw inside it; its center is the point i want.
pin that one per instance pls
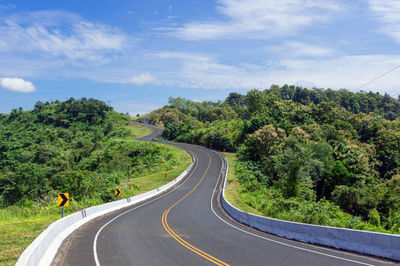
(374, 218)
(394, 221)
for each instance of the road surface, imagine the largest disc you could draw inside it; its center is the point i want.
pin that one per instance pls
(185, 226)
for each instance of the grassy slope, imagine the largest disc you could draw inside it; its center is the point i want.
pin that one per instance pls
(17, 234)
(146, 183)
(19, 226)
(232, 190)
(139, 131)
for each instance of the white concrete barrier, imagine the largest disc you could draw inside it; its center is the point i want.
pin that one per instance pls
(365, 242)
(44, 248)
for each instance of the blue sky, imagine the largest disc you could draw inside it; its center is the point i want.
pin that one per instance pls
(135, 54)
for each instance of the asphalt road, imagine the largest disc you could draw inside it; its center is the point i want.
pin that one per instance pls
(186, 226)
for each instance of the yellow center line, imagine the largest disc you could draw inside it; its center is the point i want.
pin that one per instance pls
(178, 238)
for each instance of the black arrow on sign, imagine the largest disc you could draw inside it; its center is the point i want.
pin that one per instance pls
(65, 199)
(117, 192)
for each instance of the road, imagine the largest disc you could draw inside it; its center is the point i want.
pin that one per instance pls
(185, 226)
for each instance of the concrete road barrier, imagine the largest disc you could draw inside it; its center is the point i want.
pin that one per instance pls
(44, 248)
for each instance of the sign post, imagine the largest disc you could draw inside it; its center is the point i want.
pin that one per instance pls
(63, 201)
(165, 176)
(117, 192)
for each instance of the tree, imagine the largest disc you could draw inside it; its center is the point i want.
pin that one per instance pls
(292, 171)
(235, 99)
(262, 143)
(387, 144)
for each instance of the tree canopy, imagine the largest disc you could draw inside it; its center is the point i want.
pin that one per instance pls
(323, 148)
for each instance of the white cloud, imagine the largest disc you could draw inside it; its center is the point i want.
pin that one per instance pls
(58, 44)
(60, 34)
(388, 11)
(259, 19)
(299, 49)
(349, 72)
(341, 72)
(181, 56)
(17, 84)
(135, 108)
(141, 79)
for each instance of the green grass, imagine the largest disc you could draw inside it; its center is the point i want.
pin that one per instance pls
(139, 185)
(232, 190)
(19, 226)
(17, 234)
(139, 131)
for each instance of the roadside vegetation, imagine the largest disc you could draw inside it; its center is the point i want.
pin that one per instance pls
(232, 190)
(315, 156)
(78, 146)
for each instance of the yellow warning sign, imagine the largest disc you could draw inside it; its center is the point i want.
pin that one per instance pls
(63, 200)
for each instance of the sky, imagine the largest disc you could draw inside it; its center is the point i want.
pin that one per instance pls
(135, 54)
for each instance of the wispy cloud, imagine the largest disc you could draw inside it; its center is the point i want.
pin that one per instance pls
(180, 56)
(300, 49)
(60, 34)
(388, 11)
(17, 84)
(258, 19)
(141, 79)
(135, 108)
(341, 72)
(9, 6)
(200, 71)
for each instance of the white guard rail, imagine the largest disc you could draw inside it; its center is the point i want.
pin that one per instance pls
(365, 242)
(44, 248)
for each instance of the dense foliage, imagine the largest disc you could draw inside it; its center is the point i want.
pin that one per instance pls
(78, 146)
(360, 102)
(318, 156)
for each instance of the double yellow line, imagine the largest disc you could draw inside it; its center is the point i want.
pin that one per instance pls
(178, 238)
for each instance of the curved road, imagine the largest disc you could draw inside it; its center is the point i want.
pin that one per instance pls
(185, 226)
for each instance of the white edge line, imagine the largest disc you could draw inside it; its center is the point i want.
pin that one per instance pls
(139, 206)
(265, 238)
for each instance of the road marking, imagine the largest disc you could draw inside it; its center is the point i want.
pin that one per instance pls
(178, 238)
(275, 241)
(96, 258)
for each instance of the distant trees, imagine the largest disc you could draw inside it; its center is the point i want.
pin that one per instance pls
(365, 102)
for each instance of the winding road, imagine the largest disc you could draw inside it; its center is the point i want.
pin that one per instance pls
(186, 226)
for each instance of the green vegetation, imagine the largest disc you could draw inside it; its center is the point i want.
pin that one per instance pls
(232, 189)
(316, 156)
(141, 184)
(139, 131)
(17, 234)
(78, 146)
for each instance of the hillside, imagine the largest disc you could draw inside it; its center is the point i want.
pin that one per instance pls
(79, 146)
(315, 156)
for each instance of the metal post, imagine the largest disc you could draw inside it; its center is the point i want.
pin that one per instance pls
(62, 212)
